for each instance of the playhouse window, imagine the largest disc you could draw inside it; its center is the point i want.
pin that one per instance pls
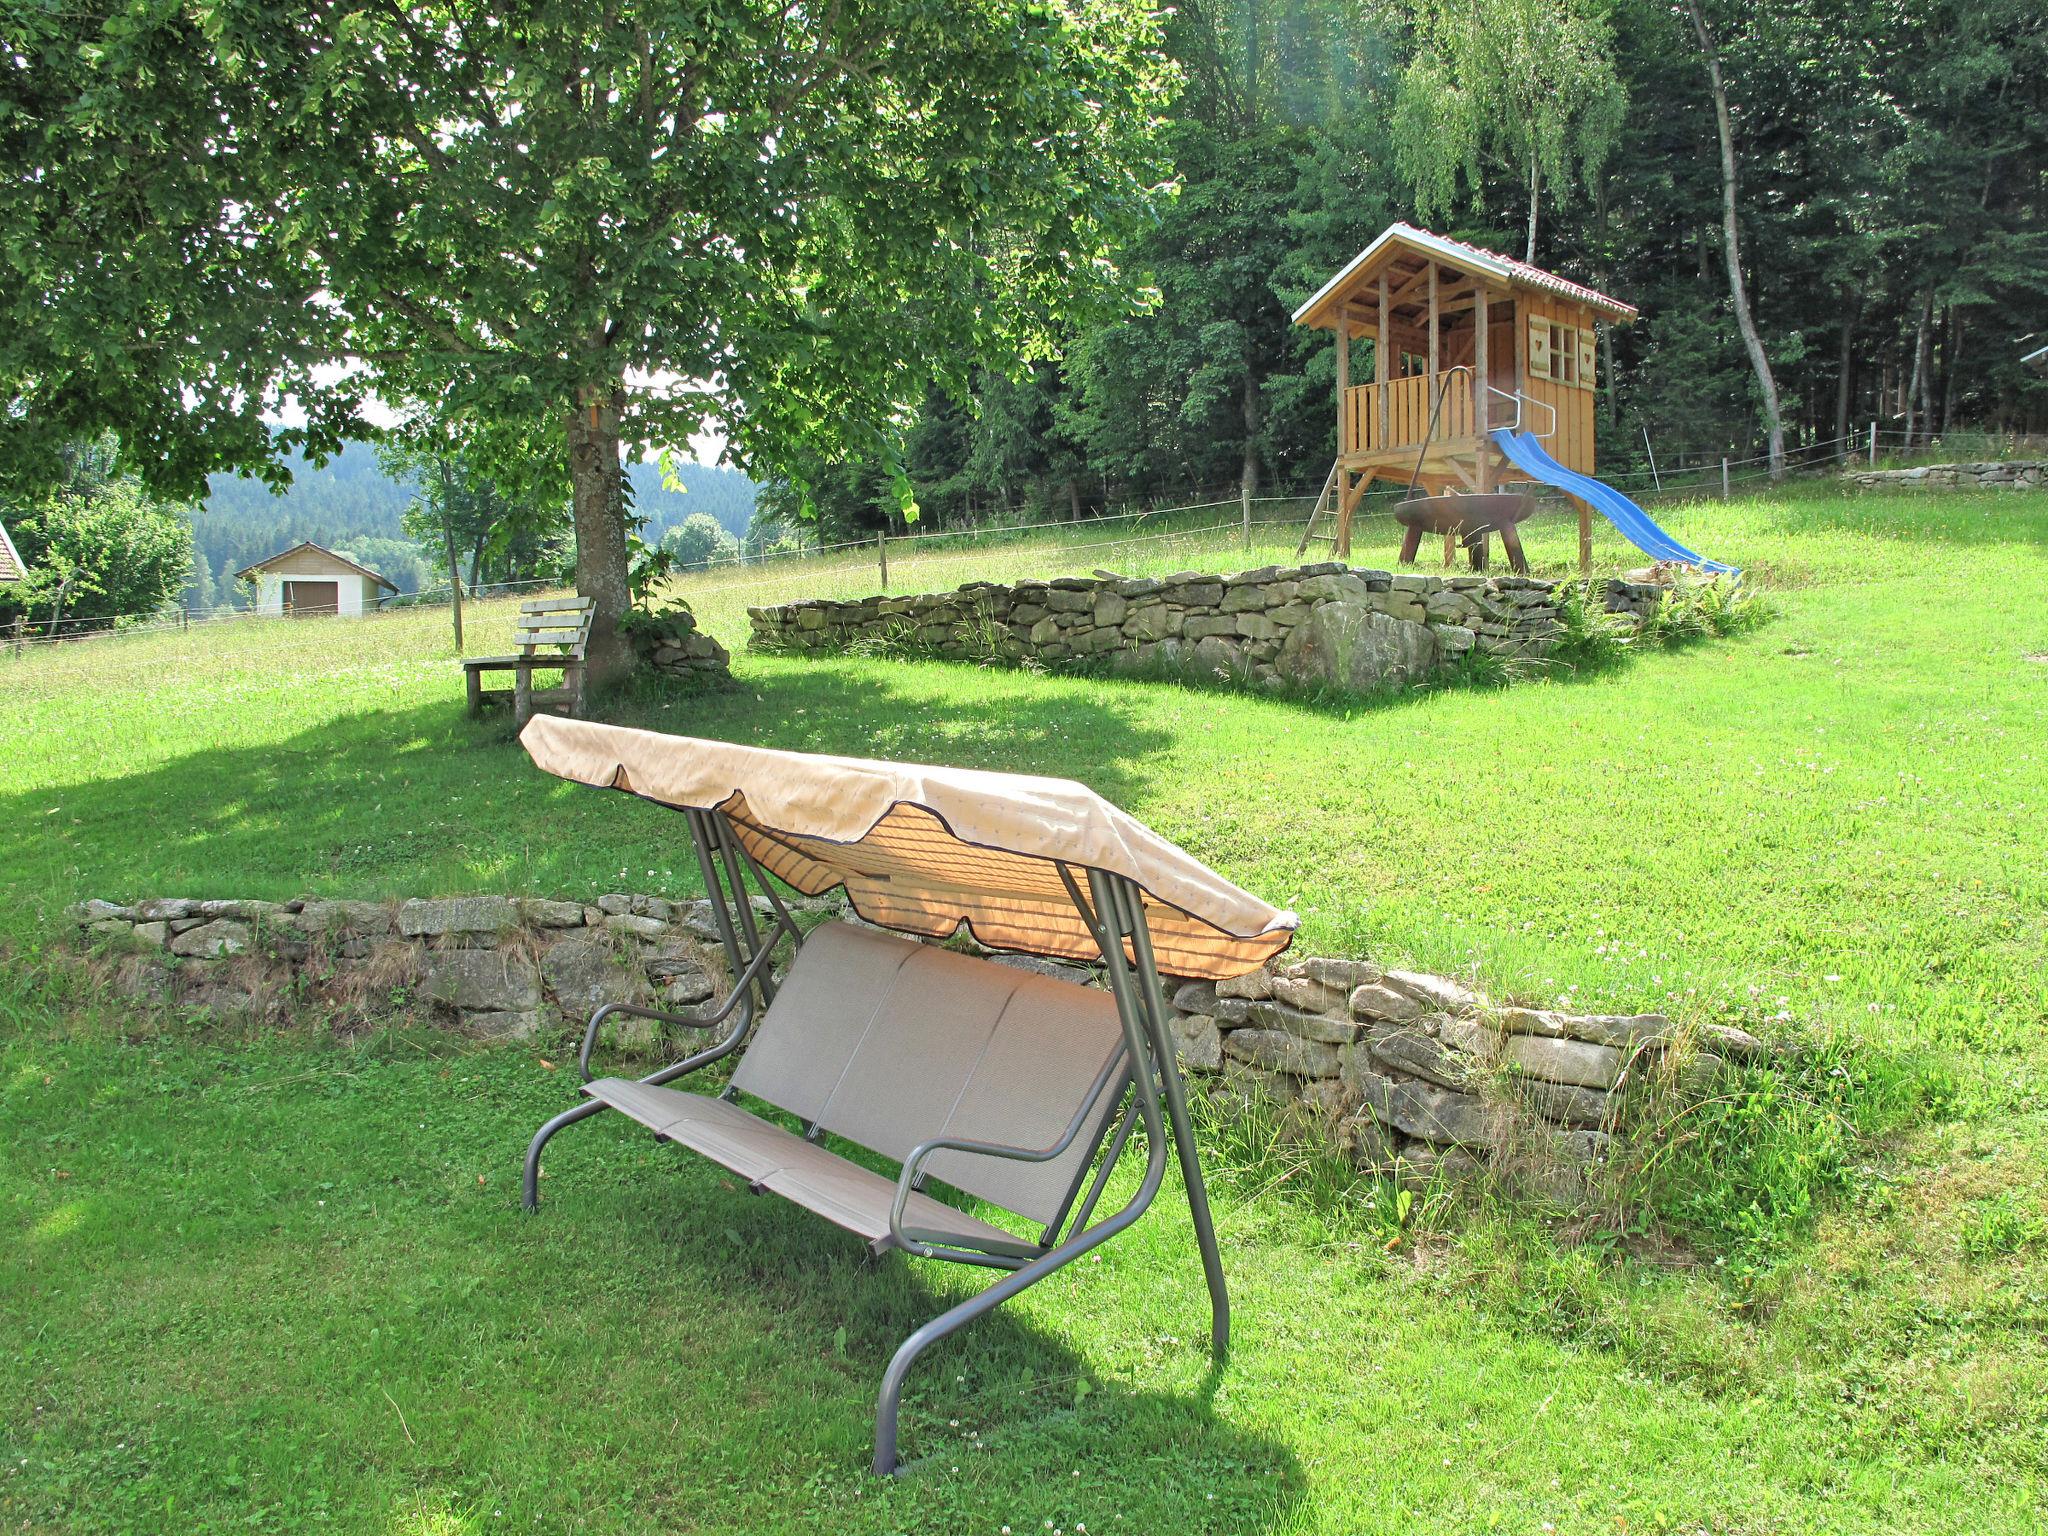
(1564, 354)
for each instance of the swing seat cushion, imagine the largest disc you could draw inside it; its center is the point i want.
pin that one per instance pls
(889, 1043)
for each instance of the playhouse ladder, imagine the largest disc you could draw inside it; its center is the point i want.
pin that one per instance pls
(1326, 499)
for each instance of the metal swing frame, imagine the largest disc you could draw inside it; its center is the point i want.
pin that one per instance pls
(1142, 1078)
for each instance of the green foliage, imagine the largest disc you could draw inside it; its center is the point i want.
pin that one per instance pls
(1528, 84)
(99, 548)
(492, 501)
(697, 541)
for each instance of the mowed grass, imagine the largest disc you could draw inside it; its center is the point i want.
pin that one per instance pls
(274, 1283)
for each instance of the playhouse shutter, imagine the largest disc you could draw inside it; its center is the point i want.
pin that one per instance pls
(1586, 340)
(1539, 349)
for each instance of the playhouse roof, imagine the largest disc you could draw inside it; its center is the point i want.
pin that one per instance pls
(318, 549)
(1396, 238)
(11, 568)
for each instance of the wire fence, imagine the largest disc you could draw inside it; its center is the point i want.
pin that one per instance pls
(1155, 535)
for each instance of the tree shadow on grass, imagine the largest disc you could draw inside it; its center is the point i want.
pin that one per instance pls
(423, 800)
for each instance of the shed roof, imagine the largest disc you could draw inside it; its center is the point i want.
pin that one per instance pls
(1469, 258)
(11, 568)
(319, 549)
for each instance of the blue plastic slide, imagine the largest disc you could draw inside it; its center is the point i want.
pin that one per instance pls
(1528, 455)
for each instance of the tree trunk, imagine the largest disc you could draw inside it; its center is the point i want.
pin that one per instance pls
(1845, 378)
(448, 544)
(1916, 387)
(1535, 187)
(600, 522)
(1248, 474)
(1074, 497)
(1951, 359)
(1731, 241)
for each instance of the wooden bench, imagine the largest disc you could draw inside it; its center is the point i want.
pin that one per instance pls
(553, 635)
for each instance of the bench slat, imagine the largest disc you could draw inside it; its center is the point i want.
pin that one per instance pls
(527, 636)
(556, 604)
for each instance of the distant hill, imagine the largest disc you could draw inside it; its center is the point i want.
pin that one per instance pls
(350, 504)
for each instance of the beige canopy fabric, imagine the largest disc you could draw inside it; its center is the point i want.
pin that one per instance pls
(923, 849)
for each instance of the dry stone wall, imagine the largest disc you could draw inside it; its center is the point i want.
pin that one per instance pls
(491, 966)
(1326, 625)
(2008, 474)
(1414, 1074)
(670, 641)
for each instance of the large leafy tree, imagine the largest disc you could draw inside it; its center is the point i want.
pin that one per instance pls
(611, 222)
(98, 547)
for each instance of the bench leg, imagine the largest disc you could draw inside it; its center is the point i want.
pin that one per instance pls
(475, 679)
(572, 681)
(522, 696)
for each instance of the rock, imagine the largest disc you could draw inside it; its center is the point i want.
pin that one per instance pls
(152, 933)
(639, 927)
(1213, 656)
(1418, 1168)
(484, 980)
(1375, 1000)
(1700, 1071)
(1563, 1061)
(1195, 996)
(1436, 991)
(1562, 1102)
(86, 913)
(536, 913)
(1252, 985)
(687, 989)
(584, 975)
(1410, 1050)
(343, 917)
(1345, 644)
(1197, 1041)
(244, 911)
(1421, 1109)
(1367, 1142)
(1255, 1085)
(209, 941)
(460, 914)
(1309, 995)
(1301, 1025)
(1154, 621)
(1276, 1050)
(1344, 974)
(164, 909)
(1730, 1041)
(501, 1024)
(1231, 1011)
(1330, 1097)
(1620, 1030)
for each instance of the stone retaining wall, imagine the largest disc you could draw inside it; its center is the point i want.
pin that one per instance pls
(670, 641)
(1323, 625)
(1401, 1071)
(488, 965)
(2005, 475)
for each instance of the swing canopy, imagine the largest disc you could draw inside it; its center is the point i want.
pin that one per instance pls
(924, 849)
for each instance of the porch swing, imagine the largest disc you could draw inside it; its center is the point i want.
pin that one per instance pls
(1017, 1089)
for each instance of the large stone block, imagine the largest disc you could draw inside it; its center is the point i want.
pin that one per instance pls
(1302, 1025)
(1252, 984)
(460, 914)
(1411, 1051)
(584, 975)
(1197, 1041)
(209, 941)
(362, 917)
(1563, 1061)
(489, 980)
(1346, 645)
(1421, 1109)
(1623, 1031)
(1275, 1050)
(1437, 992)
(1376, 1000)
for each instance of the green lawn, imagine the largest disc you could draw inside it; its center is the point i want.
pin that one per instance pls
(260, 1284)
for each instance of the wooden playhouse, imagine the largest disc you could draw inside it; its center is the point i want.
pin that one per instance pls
(1467, 344)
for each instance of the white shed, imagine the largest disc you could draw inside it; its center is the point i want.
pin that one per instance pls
(307, 579)
(11, 568)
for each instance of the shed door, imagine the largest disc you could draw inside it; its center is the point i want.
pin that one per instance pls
(312, 597)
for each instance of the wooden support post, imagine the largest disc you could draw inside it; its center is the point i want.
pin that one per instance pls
(1585, 540)
(1381, 371)
(1724, 477)
(20, 633)
(1347, 499)
(882, 556)
(1343, 386)
(1433, 328)
(1482, 386)
(1244, 494)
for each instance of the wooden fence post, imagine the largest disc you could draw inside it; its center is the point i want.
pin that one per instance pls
(20, 633)
(882, 556)
(1724, 477)
(1873, 442)
(1244, 493)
